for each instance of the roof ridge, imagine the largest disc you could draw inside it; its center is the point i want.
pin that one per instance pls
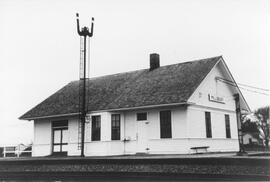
(127, 72)
(204, 59)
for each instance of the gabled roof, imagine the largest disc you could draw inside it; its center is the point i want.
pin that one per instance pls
(164, 85)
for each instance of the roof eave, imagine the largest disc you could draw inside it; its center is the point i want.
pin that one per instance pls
(144, 107)
(109, 110)
(50, 116)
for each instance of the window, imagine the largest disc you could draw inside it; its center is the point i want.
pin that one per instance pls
(141, 116)
(208, 124)
(165, 124)
(227, 125)
(60, 124)
(115, 126)
(95, 128)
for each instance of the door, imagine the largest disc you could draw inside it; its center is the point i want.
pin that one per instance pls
(142, 137)
(60, 141)
(60, 138)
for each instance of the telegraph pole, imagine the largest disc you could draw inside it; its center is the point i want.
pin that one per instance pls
(84, 32)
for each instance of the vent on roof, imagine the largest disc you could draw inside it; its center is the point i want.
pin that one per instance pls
(154, 61)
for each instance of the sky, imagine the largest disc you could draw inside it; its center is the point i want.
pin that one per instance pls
(39, 45)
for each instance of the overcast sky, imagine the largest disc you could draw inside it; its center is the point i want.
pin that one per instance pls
(39, 45)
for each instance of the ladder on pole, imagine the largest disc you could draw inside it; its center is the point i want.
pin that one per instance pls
(81, 76)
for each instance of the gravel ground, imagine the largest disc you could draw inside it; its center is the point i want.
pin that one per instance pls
(143, 168)
(171, 164)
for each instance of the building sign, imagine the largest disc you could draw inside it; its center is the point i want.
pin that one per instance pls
(215, 99)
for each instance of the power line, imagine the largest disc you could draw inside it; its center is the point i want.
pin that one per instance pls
(267, 90)
(255, 91)
(264, 89)
(233, 84)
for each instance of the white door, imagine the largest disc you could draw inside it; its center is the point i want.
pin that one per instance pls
(142, 136)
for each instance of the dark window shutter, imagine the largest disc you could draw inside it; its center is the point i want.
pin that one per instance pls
(208, 124)
(165, 124)
(227, 125)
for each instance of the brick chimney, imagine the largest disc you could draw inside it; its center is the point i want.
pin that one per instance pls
(154, 61)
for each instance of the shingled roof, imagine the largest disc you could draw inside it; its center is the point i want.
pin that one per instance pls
(164, 85)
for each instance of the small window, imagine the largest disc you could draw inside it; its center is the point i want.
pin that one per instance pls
(95, 128)
(115, 126)
(165, 124)
(208, 124)
(227, 125)
(60, 124)
(141, 116)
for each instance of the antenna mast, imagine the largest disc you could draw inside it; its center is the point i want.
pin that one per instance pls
(83, 33)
